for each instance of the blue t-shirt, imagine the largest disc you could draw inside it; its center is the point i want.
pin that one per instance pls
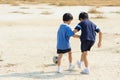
(88, 30)
(63, 35)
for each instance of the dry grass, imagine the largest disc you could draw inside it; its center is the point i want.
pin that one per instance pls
(20, 12)
(67, 2)
(10, 65)
(24, 7)
(118, 12)
(46, 13)
(94, 11)
(99, 16)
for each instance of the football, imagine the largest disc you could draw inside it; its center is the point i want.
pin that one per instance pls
(55, 59)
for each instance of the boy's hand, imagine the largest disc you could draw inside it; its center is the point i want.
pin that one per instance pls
(75, 30)
(99, 44)
(76, 36)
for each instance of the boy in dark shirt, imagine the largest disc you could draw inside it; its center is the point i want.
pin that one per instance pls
(88, 35)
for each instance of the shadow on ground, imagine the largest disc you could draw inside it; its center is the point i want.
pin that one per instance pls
(41, 75)
(35, 75)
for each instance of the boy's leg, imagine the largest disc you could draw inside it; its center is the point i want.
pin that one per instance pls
(70, 57)
(59, 59)
(59, 62)
(84, 58)
(79, 62)
(84, 48)
(71, 66)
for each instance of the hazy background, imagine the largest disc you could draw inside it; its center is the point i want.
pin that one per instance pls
(67, 2)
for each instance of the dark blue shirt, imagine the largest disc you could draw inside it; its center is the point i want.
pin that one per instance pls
(88, 30)
(63, 35)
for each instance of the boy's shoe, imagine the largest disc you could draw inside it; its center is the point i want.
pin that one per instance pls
(71, 67)
(85, 71)
(59, 70)
(79, 64)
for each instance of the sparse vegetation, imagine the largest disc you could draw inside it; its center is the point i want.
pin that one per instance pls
(99, 16)
(19, 12)
(67, 2)
(24, 7)
(46, 13)
(94, 11)
(118, 12)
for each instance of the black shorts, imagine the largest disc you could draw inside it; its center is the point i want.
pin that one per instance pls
(59, 51)
(86, 45)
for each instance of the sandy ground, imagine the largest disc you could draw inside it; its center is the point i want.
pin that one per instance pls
(28, 43)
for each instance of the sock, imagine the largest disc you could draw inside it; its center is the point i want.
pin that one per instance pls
(80, 62)
(70, 64)
(59, 67)
(87, 68)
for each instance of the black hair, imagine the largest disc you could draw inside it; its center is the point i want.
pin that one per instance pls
(83, 15)
(67, 17)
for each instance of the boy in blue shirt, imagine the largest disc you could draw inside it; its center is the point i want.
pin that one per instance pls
(63, 35)
(88, 34)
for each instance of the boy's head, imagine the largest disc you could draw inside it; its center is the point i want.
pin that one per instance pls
(83, 15)
(67, 17)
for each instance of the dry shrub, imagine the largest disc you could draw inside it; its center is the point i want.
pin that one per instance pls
(99, 15)
(94, 11)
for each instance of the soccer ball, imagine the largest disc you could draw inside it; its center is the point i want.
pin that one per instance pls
(55, 59)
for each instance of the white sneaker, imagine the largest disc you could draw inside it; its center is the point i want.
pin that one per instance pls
(85, 71)
(71, 67)
(59, 70)
(79, 64)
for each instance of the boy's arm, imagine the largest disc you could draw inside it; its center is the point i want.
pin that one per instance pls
(75, 30)
(76, 36)
(100, 39)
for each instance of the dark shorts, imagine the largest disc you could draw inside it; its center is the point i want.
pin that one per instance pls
(59, 51)
(86, 45)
